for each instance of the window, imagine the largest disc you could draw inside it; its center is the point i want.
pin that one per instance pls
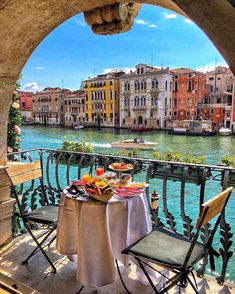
(176, 77)
(154, 84)
(111, 83)
(175, 113)
(176, 86)
(189, 86)
(223, 110)
(189, 102)
(175, 102)
(138, 71)
(166, 85)
(211, 78)
(228, 114)
(211, 111)
(188, 113)
(142, 70)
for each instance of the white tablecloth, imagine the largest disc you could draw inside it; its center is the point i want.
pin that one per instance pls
(94, 233)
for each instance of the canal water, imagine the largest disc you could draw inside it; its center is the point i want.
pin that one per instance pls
(213, 148)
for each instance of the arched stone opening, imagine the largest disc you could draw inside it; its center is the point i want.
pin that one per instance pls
(24, 24)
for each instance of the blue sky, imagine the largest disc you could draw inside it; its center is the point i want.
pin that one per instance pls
(159, 37)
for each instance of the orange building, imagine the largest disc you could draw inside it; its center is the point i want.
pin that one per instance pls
(217, 104)
(189, 89)
(26, 106)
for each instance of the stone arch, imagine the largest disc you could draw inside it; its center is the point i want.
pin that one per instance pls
(24, 24)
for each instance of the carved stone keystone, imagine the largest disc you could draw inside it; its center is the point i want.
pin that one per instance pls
(112, 19)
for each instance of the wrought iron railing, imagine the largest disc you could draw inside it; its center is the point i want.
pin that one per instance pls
(182, 188)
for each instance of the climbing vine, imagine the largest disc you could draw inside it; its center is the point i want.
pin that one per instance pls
(14, 122)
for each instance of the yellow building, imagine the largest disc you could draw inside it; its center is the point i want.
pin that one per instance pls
(102, 99)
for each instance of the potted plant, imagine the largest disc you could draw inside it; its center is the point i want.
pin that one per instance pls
(194, 174)
(230, 162)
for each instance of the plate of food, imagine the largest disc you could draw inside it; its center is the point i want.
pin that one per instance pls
(138, 185)
(99, 192)
(120, 166)
(127, 192)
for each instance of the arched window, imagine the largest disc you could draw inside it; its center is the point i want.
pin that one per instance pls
(142, 70)
(145, 85)
(154, 84)
(142, 85)
(142, 101)
(138, 71)
(145, 121)
(136, 85)
(123, 121)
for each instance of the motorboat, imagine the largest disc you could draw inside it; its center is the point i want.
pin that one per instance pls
(225, 132)
(77, 127)
(137, 143)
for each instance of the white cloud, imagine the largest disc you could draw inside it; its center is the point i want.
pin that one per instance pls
(210, 66)
(79, 22)
(31, 87)
(170, 15)
(186, 20)
(39, 67)
(141, 21)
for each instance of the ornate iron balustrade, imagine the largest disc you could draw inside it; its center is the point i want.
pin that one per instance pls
(182, 187)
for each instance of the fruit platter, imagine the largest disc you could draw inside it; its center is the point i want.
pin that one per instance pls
(98, 189)
(120, 166)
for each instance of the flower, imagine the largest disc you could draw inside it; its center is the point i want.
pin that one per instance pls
(9, 149)
(16, 130)
(15, 105)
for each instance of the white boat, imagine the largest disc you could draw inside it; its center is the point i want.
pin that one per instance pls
(225, 132)
(77, 127)
(137, 143)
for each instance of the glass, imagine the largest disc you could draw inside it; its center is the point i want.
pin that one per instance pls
(99, 171)
(86, 179)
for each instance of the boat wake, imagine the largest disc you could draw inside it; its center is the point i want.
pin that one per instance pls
(102, 145)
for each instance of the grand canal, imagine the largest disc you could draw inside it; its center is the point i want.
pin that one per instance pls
(213, 148)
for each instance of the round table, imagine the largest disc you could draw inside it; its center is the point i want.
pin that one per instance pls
(94, 233)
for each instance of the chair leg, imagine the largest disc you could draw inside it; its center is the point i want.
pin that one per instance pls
(39, 247)
(80, 290)
(36, 250)
(119, 272)
(192, 285)
(146, 274)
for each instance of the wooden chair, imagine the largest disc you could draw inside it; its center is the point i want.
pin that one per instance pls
(174, 251)
(47, 215)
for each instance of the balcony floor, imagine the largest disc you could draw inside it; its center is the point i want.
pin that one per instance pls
(37, 273)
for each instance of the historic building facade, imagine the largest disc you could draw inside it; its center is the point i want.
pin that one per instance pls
(217, 105)
(102, 99)
(146, 98)
(26, 106)
(189, 89)
(74, 108)
(48, 106)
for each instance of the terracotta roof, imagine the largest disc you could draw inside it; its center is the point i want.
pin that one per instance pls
(184, 70)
